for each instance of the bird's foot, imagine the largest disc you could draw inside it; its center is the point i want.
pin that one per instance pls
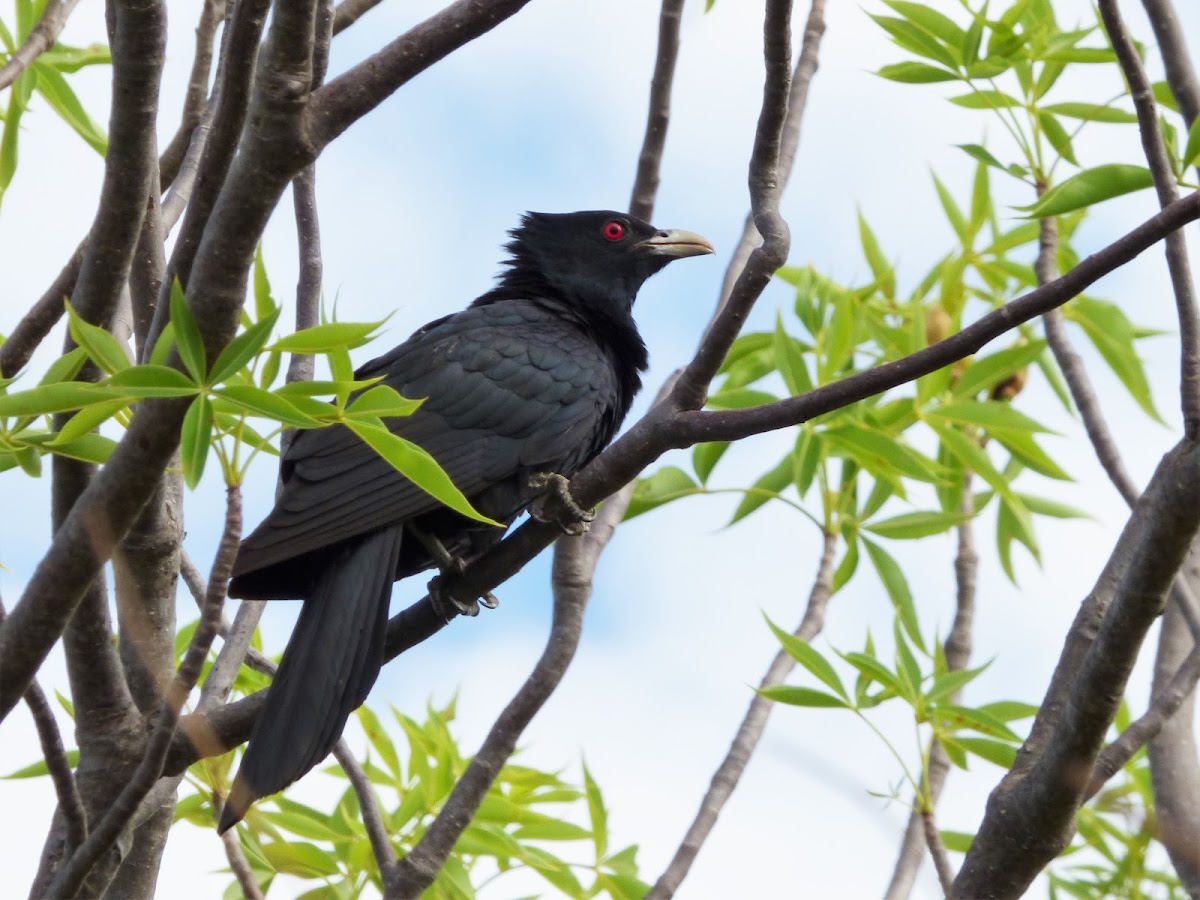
(448, 604)
(444, 600)
(554, 504)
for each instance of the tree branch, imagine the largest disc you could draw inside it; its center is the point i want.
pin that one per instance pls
(71, 876)
(1164, 185)
(1030, 814)
(41, 38)
(348, 12)
(645, 185)
(211, 14)
(937, 851)
(749, 733)
(381, 842)
(1181, 76)
(355, 93)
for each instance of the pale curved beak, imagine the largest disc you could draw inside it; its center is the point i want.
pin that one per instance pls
(676, 244)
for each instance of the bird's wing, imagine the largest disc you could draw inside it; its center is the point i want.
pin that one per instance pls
(509, 390)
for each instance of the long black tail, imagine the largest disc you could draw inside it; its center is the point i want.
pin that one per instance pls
(327, 670)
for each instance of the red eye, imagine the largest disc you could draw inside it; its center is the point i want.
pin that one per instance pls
(614, 230)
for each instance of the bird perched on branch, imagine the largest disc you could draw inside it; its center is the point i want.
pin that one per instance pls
(524, 387)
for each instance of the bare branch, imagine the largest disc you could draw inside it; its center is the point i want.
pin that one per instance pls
(241, 866)
(381, 842)
(1164, 185)
(691, 389)
(41, 38)
(72, 874)
(1165, 704)
(348, 12)
(1181, 76)
(957, 651)
(55, 755)
(937, 851)
(749, 733)
(645, 185)
(355, 93)
(211, 14)
(1030, 814)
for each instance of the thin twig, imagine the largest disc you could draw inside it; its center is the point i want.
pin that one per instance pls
(1181, 75)
(658, 116)
(16, 351)
(957, 652)
(937, 851)
(1159, 161)
(55, 755)
(73, 872)
(381, 841)
(195, 100)
(1138, 734)
(241, 866)
(41, 38)
(748, 734)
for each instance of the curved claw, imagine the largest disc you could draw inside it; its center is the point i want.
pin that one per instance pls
(554, 504)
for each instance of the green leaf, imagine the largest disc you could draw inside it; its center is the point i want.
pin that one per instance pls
(1089, 187)
(957, 221)
(908, 673)
(54, 88)
(873, 670)
(667, 484)
(986, 372)
(948, 682)
(1091, 112)
(880, 452)
(885, 276)
(103, 349)
(802, 696)
(88, 419)
(918, 41)
(1043, 506)
(706, 456)
(256, 401)
(264, 303)
(768, 485)
(328, 337)
(802, 652)
(915, 73)
(848, 566)
(930, 20)
(187, 334)
(789, 359)
(960, 717)
(151, 381)
(985, 100)
(806, 457)
(1108, 328)
(972, 456)
(957, 841)
(92, 448)
(416, 465)
(243, 348)
(998, 752)
(993, 415)
(1162, 94)
(39, 768)
(740, 398)
(52, 398)
(1057, 136)
(1023, 447)
(1008, 710)
(195, 439)
(1192, 151)
(896, 584)
(597, 814)
(379, 740)
(975, 151)
(300, 859)
(72, 59)
(383, 402)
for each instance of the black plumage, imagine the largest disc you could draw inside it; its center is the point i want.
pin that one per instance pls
(534, 377)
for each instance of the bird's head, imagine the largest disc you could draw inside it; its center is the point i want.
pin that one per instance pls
(598, 257)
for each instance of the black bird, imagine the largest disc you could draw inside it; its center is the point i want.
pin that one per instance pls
(532, 379)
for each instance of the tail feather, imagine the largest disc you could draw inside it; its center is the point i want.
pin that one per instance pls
(327, 670)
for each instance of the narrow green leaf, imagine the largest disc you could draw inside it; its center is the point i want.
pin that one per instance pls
(984, 373)
(803, 653)
(328, 337)
(1108, 328)
(768, 484)
(789, 359)
(740, 398)
(957, 221)
(103, 349)
(806, 457)
(66, 367)
(417, 465)
(300, 859)
(1043, 506)
(243, 348)
(915, 73)
(873, 670)
(908, 673)
(151, 381)
(195, 439)
(880, 452)
(847, 567)
(997, 752)
(91, 448)
(1090, 112)
(706, 456)
(885, 276)
(896, 585)
(383, 402)
(597, 814)
(54, 88)
(985, 100)
(940, 26)
(993, 415)
(1058, 137)
(187, 334)
(667, 484)
(802, 696)
(257, 402)
(264, 303)
(1089, 187)
(918, 41)
(39, 768)
(52, 398)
